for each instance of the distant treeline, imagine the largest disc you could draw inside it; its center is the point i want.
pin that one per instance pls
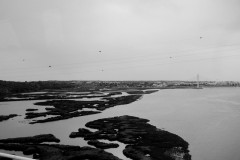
(10, 87)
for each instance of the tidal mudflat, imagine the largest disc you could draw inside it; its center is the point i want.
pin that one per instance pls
(207, 119)
(168, 146)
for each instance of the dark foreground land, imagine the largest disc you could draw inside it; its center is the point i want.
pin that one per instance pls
(143, 142)
(33, 146)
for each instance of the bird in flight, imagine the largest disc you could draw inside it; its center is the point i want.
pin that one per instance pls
(49, 66)
(99, 51)
(201, 37)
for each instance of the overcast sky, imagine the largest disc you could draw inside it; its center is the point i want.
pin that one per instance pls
(119, 39)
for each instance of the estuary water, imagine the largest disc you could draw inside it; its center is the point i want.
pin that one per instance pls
(208, 119)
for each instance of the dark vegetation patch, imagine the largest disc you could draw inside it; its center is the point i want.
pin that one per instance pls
(7, 88)
(5, 158)
(31, 109)
(12, 91)
(60, 116)
(143, 140)
(58, 95)
(31, 146)
(35, 139)
(135, 92)
(65, 109)
(6, 117)
(59, 152)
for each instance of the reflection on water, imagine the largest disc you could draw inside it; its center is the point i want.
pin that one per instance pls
(208, 119)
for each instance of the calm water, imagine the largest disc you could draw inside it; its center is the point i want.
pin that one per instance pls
(208, 119)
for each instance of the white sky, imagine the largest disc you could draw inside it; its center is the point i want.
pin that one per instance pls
(138, 39)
